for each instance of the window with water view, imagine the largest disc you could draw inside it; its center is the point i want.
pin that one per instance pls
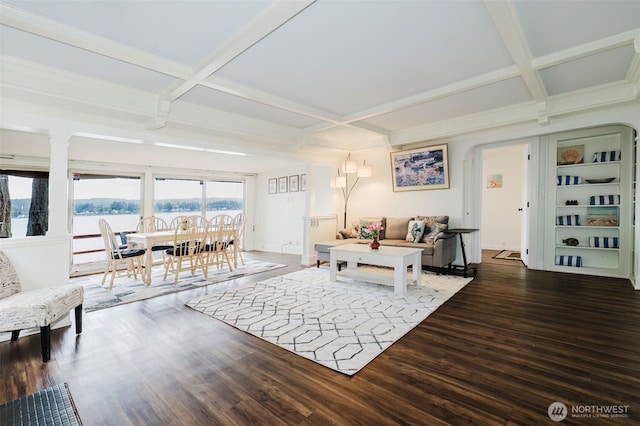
(117, 199)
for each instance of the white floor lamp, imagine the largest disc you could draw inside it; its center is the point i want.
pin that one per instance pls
(349, 168)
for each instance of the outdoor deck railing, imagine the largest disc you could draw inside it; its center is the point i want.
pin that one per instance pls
(88, 236)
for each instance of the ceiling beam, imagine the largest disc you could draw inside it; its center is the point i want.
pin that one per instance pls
(506, 21)
(522, 114)
(418, 99)
(274, 16)
(34, 24)
(587, 49)
(437, 93)
(249, 93)
(633, 76)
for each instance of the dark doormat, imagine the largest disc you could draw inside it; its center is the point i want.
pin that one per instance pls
(508, 254)
(51, 406)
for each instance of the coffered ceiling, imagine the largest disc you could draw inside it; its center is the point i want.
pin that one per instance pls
(303, 76)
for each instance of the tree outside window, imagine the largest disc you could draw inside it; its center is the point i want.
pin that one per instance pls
(24, 203)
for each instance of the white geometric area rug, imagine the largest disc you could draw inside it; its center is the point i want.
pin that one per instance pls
(343, 326)
(127, 290)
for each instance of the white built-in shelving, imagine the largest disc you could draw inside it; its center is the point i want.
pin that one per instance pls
(613, 221)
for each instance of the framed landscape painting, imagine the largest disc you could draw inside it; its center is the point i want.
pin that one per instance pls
(420, 168)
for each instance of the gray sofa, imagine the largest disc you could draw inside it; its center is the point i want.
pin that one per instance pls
(438, 246)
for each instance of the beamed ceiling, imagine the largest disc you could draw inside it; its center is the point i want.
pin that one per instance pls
(282, 77)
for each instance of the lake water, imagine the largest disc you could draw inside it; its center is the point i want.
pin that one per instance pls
(84, 225)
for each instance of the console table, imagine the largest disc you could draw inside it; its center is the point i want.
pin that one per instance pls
(465, 267)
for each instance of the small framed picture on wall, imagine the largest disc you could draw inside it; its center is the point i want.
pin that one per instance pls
(294, 183)
(303, 182)
(494, 181)
(273, 186)
(283, 184)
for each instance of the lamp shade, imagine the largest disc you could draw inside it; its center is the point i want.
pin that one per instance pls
(338, 182)
(349, 166)
(365, 171)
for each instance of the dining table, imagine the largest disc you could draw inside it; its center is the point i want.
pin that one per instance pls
(149, 239)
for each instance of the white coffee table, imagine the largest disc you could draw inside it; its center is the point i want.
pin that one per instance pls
(399, 258)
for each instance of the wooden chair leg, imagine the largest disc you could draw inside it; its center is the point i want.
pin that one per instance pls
(204, 265)
(113, 276)
(14, 335)
(106, 272)
(166, 267)
(131, 268)
(224, 253)
(78, 313)
(178, 269)
(45, 342)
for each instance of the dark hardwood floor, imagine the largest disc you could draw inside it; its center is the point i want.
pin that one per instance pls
(499, 352)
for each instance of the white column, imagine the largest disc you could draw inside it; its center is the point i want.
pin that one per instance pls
(58, 184)
(148, 195)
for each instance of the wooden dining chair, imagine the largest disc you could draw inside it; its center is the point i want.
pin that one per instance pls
(178, 221)
(155, 224)
(152, 224)
(219, 241)
(186, 246)
(238, 237)
(116, 255)
(201, 223)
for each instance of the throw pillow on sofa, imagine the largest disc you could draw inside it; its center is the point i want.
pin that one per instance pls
(415, 230)
(396, 228)
(350, 232)
(432, 232)
(363, 234)
(430, 220)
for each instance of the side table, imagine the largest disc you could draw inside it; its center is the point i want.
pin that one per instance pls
(466, 266)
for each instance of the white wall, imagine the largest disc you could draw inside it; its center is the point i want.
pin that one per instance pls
(374, 196)
(501, 220)
(279, 217)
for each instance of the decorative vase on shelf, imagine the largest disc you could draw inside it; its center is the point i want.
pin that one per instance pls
(374, 244)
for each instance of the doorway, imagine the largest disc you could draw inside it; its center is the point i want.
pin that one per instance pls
(503, 189)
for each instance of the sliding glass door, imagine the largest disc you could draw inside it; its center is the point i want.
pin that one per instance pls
(117, 199)
(224, 197)
(174, 197)
(113, 198)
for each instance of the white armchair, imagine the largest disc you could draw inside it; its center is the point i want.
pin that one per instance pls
(21, 310)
